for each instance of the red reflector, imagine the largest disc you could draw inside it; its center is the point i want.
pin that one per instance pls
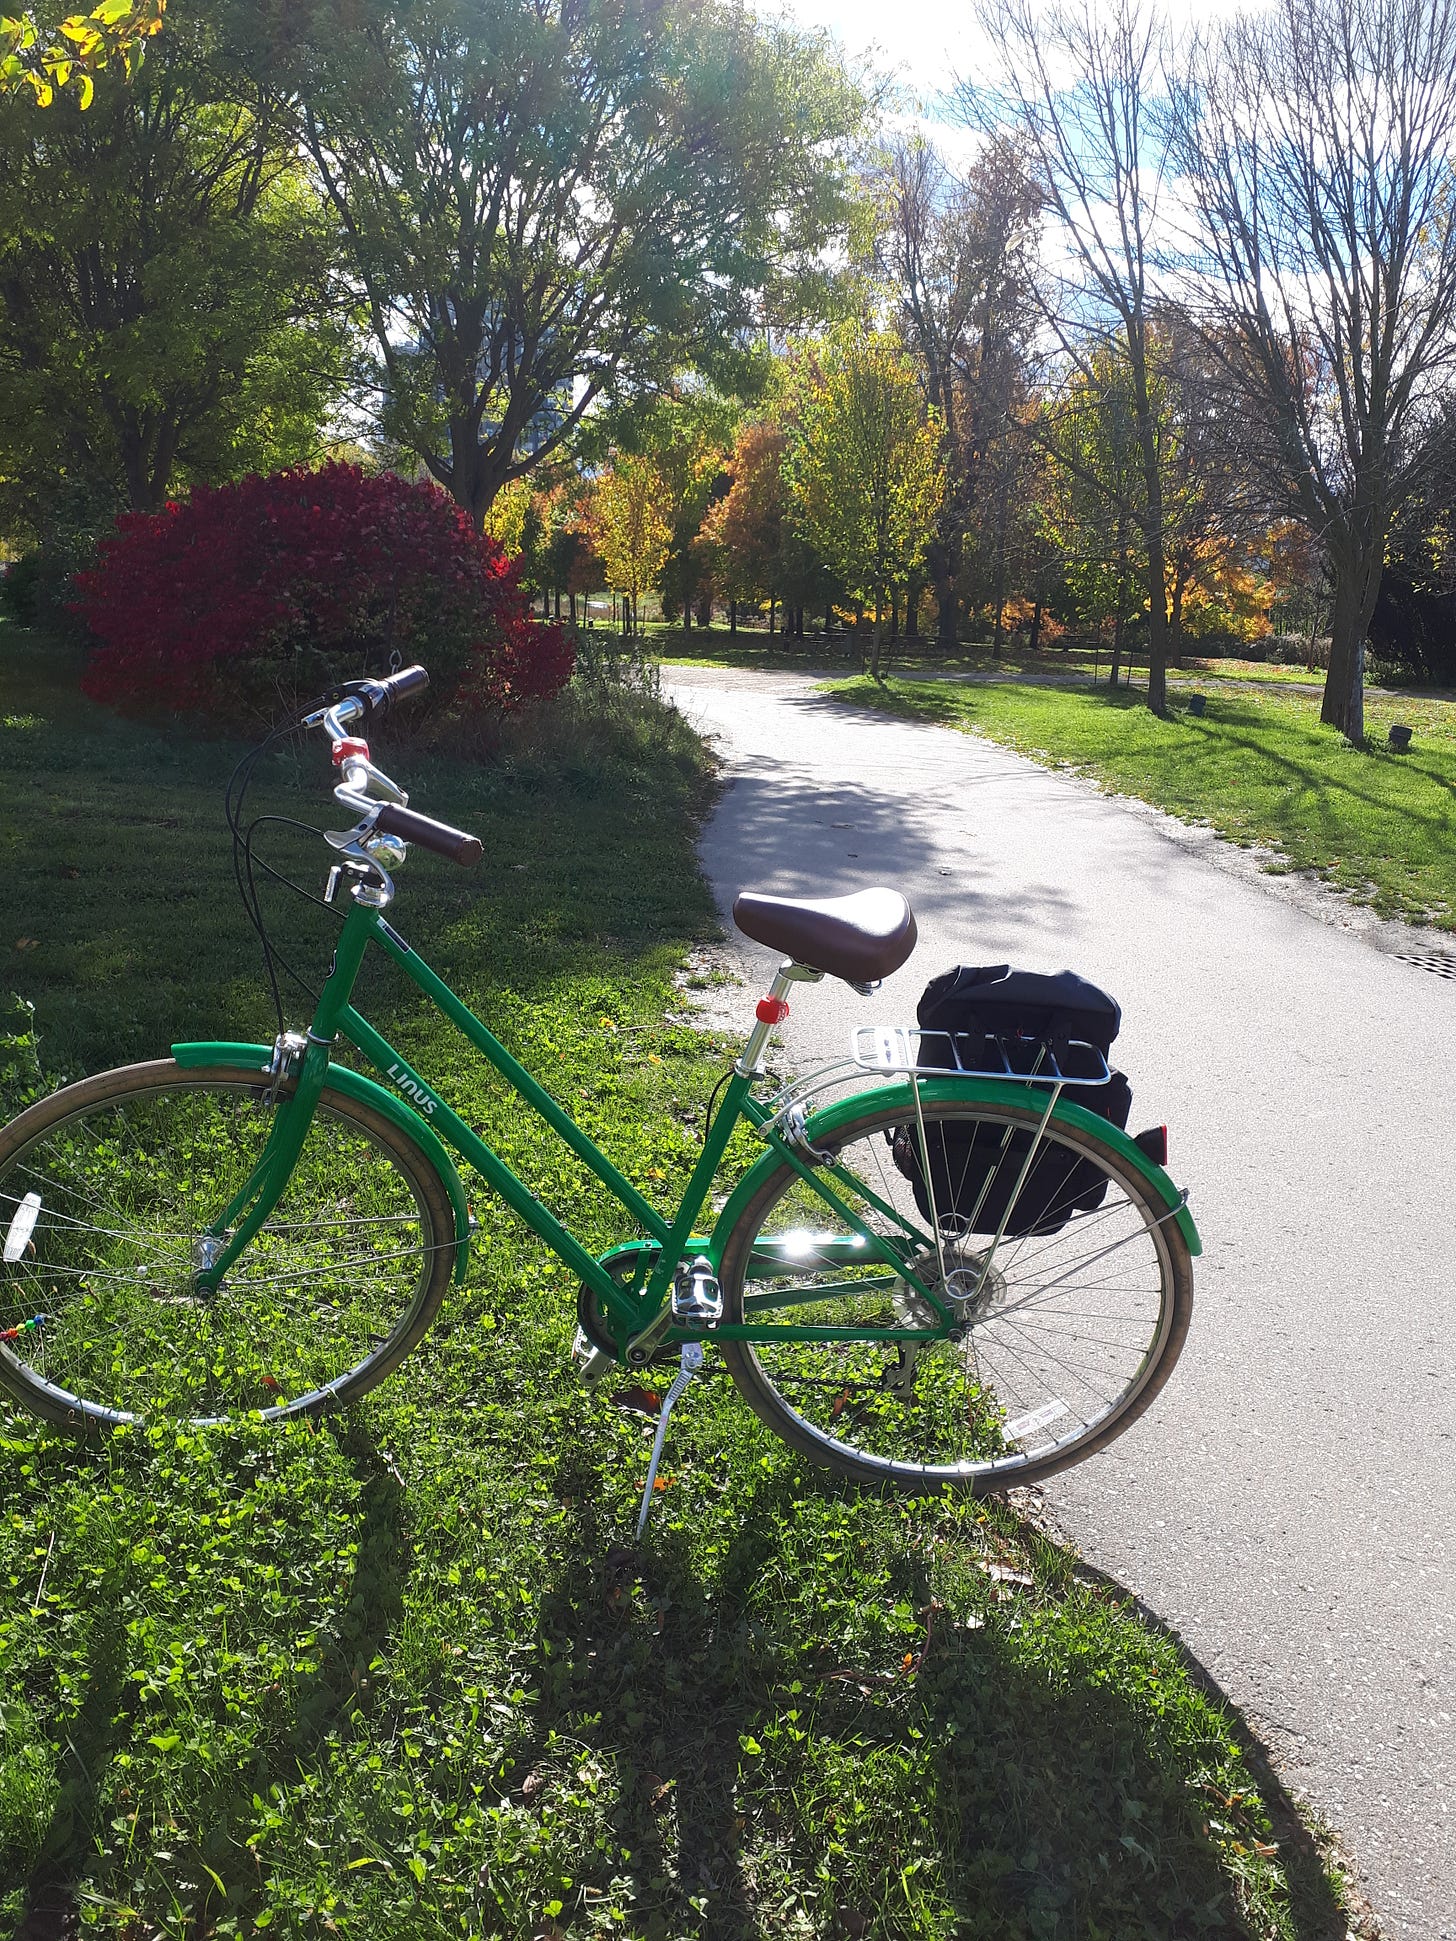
(343, 750)
(771, 1010)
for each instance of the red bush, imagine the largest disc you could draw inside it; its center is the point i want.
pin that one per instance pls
(265, 590)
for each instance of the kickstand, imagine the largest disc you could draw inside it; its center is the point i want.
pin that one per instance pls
(692, 1361)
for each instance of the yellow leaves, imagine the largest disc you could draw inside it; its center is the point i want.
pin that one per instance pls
(88, 37)
(865, 468)
(631, 522)
(83, 43)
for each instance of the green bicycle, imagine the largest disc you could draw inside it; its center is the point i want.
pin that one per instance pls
(243, 1229)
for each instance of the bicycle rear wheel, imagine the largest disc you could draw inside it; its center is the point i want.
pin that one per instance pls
(1062, 1337)
(106, 1189)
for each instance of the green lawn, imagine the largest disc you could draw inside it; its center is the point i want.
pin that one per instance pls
(1257, 766)
(406, 1676)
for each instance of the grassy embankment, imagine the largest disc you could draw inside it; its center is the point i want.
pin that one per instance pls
(1257, 766)
(404, 1676)
(1076, 660)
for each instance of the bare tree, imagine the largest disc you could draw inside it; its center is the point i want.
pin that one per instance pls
(1317, 138)
(957, 253)
(1082, 88)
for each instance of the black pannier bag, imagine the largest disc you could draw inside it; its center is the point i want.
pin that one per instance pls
(974, 1172)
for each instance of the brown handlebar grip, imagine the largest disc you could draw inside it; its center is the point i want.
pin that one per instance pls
(454, 844)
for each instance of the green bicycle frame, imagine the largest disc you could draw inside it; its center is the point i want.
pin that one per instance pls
(636, 1300)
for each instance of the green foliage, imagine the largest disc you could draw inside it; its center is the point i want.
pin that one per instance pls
(164, 283)
(864, 464)
(1093, 509)
(556, 209)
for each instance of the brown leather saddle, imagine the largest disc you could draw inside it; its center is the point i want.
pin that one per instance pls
(860, 938)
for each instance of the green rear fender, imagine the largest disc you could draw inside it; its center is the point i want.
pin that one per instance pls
(354, 1085)
(897, 1098)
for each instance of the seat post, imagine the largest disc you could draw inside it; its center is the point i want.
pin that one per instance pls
(772, 1010)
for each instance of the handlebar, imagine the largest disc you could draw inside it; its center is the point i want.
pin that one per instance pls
(365, 788)
(454, 844)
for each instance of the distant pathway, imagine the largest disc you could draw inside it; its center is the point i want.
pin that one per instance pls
(1289, 1503)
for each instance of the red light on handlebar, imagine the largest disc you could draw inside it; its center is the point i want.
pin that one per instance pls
(347, 749)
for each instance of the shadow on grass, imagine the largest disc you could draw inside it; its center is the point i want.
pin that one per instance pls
(365, 1621)
(977, 1797)
(1231, 724)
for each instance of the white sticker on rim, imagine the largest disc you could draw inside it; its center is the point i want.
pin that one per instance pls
(22, 1227)
(1034, 1419)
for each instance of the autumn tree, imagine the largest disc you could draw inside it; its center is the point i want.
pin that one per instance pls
(630, 527)
(864, 466)
(688, 433)
(1316, 139)
(553, 209)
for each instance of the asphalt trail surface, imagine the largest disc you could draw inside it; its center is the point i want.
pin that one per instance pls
(1289, 1502)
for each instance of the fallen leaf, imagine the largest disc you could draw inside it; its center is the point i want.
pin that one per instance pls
(642, 1401)
(1003, 1573)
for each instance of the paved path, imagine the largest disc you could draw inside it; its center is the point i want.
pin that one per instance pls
(1289, 1503)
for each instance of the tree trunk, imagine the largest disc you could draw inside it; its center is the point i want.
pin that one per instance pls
(1358, 568)
(1175, 629)
(894, 618)
(912, 609)
(732, 617)
(770, 616)
(1121, 612)
(1035, 640)
(1152, 524)
(940, 563)
(875, 644)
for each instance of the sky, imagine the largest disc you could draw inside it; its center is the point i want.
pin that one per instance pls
(930, 44)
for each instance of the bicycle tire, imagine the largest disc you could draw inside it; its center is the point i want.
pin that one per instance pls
(128, 1168)
(992, 1425)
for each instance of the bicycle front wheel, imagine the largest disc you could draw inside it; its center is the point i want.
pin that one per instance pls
(107, 1190)
(1062, 1333)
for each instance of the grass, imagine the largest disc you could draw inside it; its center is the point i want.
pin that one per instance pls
(404, 1676)
(1193, 672)
(1258, 767)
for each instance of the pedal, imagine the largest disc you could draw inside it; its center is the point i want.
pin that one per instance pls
(697, 1299)
(692, 1361)
(589, 1361)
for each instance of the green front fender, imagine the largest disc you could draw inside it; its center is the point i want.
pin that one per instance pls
(354, 1085)
(990, 1091)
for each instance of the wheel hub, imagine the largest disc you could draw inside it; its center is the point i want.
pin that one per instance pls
(970, 1288)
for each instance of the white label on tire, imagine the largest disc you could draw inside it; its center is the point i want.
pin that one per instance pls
(22, 1226)
(1035, 1419)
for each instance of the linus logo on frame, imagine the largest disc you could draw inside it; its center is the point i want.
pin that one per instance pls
(412, 1089)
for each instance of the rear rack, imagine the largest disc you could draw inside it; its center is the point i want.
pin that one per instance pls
(959, 1054)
